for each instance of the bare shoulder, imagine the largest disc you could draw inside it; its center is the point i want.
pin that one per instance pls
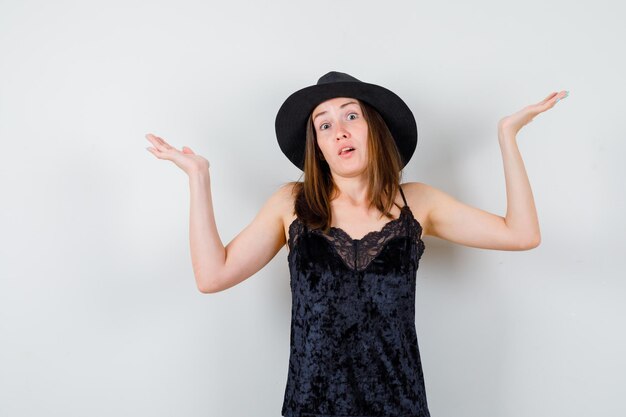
(280, 203)
(286, 195)
(420, 198)
(432, 202)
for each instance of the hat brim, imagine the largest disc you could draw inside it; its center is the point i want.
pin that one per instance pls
(292, 116)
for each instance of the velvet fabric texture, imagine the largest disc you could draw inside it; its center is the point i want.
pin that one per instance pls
(354, 349)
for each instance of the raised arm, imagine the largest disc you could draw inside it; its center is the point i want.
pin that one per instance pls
(452, 220)
(217, 267)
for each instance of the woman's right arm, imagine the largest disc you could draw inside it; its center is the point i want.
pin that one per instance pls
(207, 250)
(217, 267)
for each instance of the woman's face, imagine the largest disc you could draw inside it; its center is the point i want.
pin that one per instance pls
(339, 123)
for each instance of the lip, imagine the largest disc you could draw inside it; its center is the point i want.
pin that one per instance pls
(347, 155)
(347, 145)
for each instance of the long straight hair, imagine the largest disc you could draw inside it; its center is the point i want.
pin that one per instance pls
(314, 194)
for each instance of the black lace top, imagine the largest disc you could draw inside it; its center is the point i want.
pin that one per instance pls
(354, 348)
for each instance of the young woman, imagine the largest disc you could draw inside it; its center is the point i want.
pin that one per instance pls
(354, 236)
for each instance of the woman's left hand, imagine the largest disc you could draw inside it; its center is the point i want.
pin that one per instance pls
(512, 124)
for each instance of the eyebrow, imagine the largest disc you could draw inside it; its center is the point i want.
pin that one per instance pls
(342, 106)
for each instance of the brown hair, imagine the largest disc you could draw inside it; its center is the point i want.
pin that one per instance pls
(313, 196)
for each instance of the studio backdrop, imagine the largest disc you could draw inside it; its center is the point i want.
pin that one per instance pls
(99, 310)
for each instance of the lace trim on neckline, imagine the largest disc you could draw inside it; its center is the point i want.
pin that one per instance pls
(335, 229)
(369, 246)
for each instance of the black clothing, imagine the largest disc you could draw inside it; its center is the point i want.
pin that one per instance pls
(354, 349)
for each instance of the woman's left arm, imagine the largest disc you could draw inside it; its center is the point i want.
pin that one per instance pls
(452, 220)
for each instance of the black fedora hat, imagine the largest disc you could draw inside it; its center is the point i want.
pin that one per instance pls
(293, 114)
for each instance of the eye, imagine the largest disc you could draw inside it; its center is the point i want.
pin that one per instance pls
(349, 114)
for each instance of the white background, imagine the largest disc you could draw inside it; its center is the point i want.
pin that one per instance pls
(99, 311)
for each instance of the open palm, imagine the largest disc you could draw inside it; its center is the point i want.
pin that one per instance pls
(185, 159)
(513, 123)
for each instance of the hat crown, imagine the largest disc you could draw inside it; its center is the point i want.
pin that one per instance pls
(336, 77)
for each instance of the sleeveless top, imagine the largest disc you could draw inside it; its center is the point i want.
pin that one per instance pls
(353, 342)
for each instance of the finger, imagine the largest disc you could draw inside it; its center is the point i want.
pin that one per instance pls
(153, 151)
(165, 155)
(163, 143)
(552, 101)
(555, 97)
(561, 95)
(548, 98)
(153, 139)
(158, 143)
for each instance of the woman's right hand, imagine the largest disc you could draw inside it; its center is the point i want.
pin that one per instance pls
(186, 159)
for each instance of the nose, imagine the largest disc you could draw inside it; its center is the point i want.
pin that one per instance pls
(342, 133)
